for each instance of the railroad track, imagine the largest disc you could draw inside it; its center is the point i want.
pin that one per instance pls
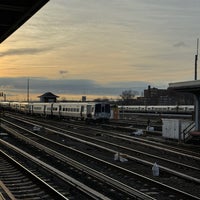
(127, 172)
(20, 183)
(186, 150)
(111, 188)
(183, 153)
(58, 181)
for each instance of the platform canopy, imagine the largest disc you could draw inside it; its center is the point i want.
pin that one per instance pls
(194, 88)
(187, 86)
(14, 13)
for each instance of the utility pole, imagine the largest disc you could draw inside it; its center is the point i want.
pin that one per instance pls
(28, 90)
(196, 59)
(196, 106)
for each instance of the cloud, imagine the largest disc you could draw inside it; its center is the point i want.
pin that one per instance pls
(40, 85)
(22, 51)
(63, 73)
(180, 44)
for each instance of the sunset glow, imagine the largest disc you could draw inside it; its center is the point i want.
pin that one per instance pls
(99, 47)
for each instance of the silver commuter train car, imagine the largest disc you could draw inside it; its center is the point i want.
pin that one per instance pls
(157, 109)
(88, 111)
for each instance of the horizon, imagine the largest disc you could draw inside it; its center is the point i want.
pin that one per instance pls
(101, 48)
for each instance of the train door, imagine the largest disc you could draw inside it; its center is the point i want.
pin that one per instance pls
(30, 108)
(107, 108)
(60, 109)
(44, 111)
(89, 111)
(81, 112)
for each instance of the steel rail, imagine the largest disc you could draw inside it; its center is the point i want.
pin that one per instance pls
(90, 192)
(120, 186)
(38, 179)
(182, 175)
(149, 179)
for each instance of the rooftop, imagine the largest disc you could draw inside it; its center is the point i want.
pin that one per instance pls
(187, 86)
(14, 13)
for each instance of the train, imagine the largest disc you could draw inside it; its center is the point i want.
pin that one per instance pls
(174, 109)
(88, 111)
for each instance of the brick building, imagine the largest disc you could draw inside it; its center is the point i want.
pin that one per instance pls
(155, 96)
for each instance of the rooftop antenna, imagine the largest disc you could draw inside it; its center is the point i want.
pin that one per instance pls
(196, 59)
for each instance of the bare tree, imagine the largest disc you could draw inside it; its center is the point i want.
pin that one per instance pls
(128, 96)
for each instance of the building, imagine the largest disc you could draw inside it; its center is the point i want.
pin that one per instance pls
(48, 97)
(155, 96)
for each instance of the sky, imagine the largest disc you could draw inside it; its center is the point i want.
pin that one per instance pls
(99, 48)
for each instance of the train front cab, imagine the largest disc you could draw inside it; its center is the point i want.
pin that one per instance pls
(102, 112)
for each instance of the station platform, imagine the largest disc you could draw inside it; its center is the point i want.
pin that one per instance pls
(192, 87)
(187, 86)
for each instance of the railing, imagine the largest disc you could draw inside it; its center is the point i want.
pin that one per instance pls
(187, 130)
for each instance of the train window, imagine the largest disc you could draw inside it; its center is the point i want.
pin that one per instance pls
(82, 108)
(98, 108)
(107, 108)
(37, 108)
